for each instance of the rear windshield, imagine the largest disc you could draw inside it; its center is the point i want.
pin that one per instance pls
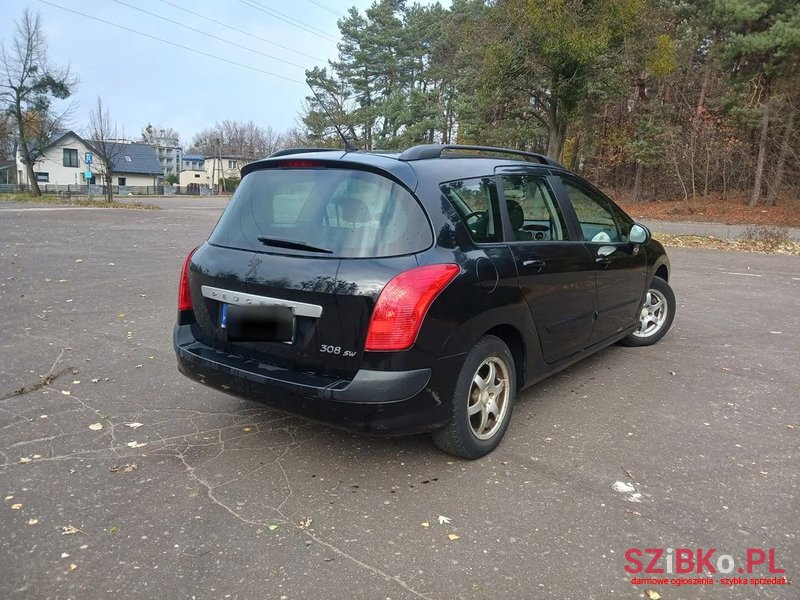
(329, 212)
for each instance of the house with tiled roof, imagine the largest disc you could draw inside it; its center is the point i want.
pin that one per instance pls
(68, 159)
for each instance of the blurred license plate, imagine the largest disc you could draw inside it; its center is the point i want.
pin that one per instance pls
(257, 323)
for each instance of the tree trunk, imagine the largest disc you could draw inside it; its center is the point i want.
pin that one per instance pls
(777, 179)
(109, 189)
(576, 149)
(557, 132)
(637, 182)
(762, 153)
(35, 191)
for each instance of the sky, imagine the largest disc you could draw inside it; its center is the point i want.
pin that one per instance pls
(143, 80)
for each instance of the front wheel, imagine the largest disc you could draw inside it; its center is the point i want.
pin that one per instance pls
(655, 315)
(482, 401)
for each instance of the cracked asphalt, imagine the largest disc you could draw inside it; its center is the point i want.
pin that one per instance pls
(212, 497)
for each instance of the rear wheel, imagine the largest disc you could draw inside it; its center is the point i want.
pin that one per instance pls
(655, 315)
(482, 401)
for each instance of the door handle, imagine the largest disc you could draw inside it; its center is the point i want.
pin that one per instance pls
(533, 263)
(603, 261)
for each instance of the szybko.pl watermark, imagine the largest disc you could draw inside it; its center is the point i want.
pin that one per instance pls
(699, 566)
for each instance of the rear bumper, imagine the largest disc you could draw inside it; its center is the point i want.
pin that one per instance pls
(376, 402)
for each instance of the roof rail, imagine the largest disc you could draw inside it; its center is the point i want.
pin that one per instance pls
(436, 150)
(289, 151)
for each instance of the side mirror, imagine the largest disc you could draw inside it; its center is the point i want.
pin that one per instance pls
(639, 234)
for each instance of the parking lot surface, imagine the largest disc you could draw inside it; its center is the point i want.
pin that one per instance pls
(121, 478)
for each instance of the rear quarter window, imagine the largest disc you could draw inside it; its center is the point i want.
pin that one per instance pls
(348, 213)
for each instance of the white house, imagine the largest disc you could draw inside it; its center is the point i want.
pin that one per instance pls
(68, 159)
(193, 170)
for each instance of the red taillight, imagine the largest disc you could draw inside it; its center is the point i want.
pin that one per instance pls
(184, 297)
(402, 305)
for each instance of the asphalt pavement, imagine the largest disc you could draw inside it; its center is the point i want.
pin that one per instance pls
(123, 479)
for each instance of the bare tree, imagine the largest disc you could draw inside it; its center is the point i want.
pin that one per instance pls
(28, 86)
(243, 140)
(102, 134)
(156, 135)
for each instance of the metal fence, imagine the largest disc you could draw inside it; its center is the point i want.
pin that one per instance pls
(68, 191)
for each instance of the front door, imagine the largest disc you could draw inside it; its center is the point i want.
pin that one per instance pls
(621, 267)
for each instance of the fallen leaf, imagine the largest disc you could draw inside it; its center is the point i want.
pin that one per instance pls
(73, 566)
(120, 315)
(426, 524)
(66, 392)
(35, 456)
(76, 382)
(135, 425)
(33, 521)
(64, 555)
(96, 426)
(653, 595)
(126, 468)
(444, 520)
(16, 506)
(453, 537)
(248, 429)
(25, 459)
(790, 427)
(69, 530)
(764, 473)
(273, 527)
(7, 498)
(136, 444)
(151, 357)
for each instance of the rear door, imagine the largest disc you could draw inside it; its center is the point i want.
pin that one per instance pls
(317, 241)
(556, 273)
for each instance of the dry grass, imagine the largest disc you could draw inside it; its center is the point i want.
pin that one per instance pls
(768, 246)
(56, 201)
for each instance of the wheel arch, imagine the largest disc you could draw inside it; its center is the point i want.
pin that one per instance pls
(663, 272)
(512, 338)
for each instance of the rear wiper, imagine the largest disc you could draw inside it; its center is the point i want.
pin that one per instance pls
(292, 244)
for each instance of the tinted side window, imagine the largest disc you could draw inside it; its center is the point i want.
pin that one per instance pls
(595, 214)
(349, 213)
(532, 209)
(475, 201)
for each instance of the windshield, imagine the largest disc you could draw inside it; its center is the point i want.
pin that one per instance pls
(330, 212)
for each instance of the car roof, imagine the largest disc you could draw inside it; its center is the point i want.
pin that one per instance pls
(444, 161)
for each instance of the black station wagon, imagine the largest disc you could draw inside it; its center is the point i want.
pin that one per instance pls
(399, 293)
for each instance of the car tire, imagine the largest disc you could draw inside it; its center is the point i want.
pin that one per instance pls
(655, 315)
(486, 387)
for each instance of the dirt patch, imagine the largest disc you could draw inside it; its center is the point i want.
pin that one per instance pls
(730, 210)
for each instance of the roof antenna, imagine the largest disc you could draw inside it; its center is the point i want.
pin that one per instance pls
(348, 145)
